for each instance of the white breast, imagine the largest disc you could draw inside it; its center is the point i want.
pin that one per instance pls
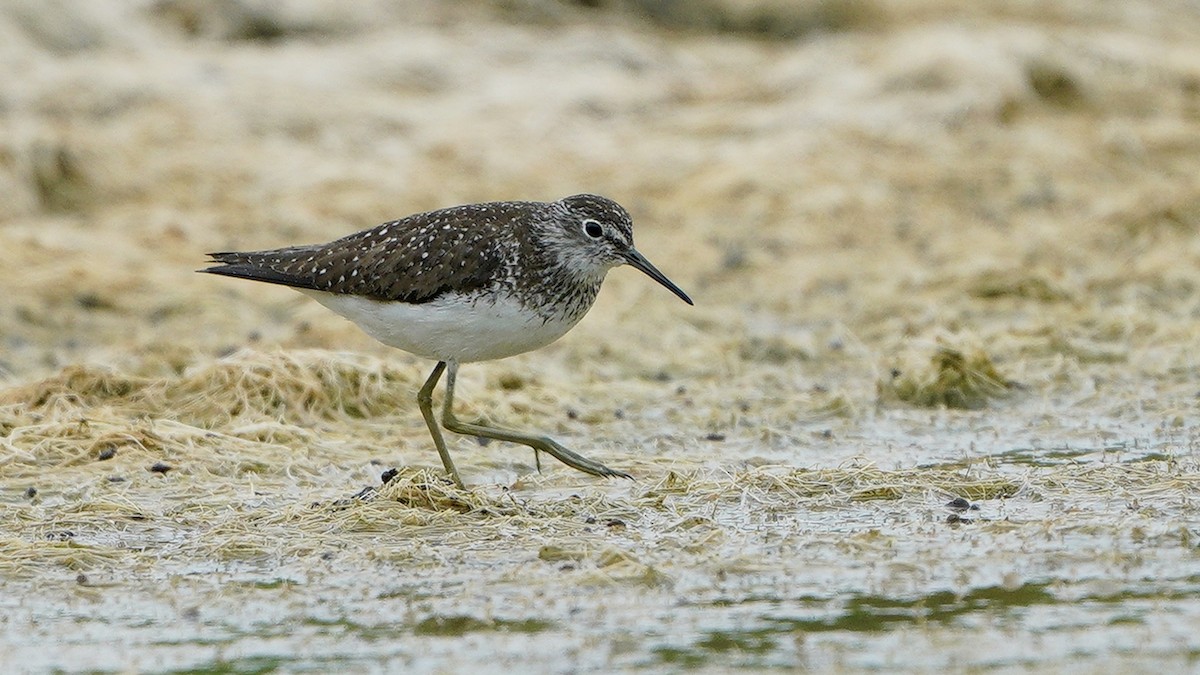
(452, 327)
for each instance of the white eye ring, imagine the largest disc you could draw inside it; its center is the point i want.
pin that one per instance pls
(593, 228)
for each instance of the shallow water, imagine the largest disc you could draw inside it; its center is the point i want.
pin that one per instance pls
(1080, 558)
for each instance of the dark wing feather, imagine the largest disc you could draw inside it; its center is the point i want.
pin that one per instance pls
(269, 266)
(412, 260)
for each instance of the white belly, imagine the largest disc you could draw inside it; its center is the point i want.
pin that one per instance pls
(450, 328)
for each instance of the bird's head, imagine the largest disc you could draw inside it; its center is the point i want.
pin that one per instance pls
(594, 234)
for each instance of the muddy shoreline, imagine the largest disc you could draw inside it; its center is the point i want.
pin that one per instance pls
(937, 254)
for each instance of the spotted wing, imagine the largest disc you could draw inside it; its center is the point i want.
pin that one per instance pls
(411, 260)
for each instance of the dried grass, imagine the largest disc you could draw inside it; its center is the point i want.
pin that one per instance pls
(953, 378)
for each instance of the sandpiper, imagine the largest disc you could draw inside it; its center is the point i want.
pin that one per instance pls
(462, 284)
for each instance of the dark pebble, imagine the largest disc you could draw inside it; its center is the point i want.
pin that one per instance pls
(958, 504)
(160, 467)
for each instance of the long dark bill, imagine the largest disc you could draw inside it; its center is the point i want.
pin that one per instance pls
(639, 261)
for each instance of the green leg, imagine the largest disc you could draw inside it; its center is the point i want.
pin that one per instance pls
(425, 402)
(538, 443)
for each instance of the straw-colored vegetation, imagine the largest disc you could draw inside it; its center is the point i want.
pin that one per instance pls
(952, 379)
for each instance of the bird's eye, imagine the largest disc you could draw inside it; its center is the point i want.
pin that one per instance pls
(593, 229)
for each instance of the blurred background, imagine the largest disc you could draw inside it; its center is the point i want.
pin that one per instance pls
(861, 171)
(919, 233)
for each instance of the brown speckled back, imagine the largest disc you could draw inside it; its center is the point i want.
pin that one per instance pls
(413, 260)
